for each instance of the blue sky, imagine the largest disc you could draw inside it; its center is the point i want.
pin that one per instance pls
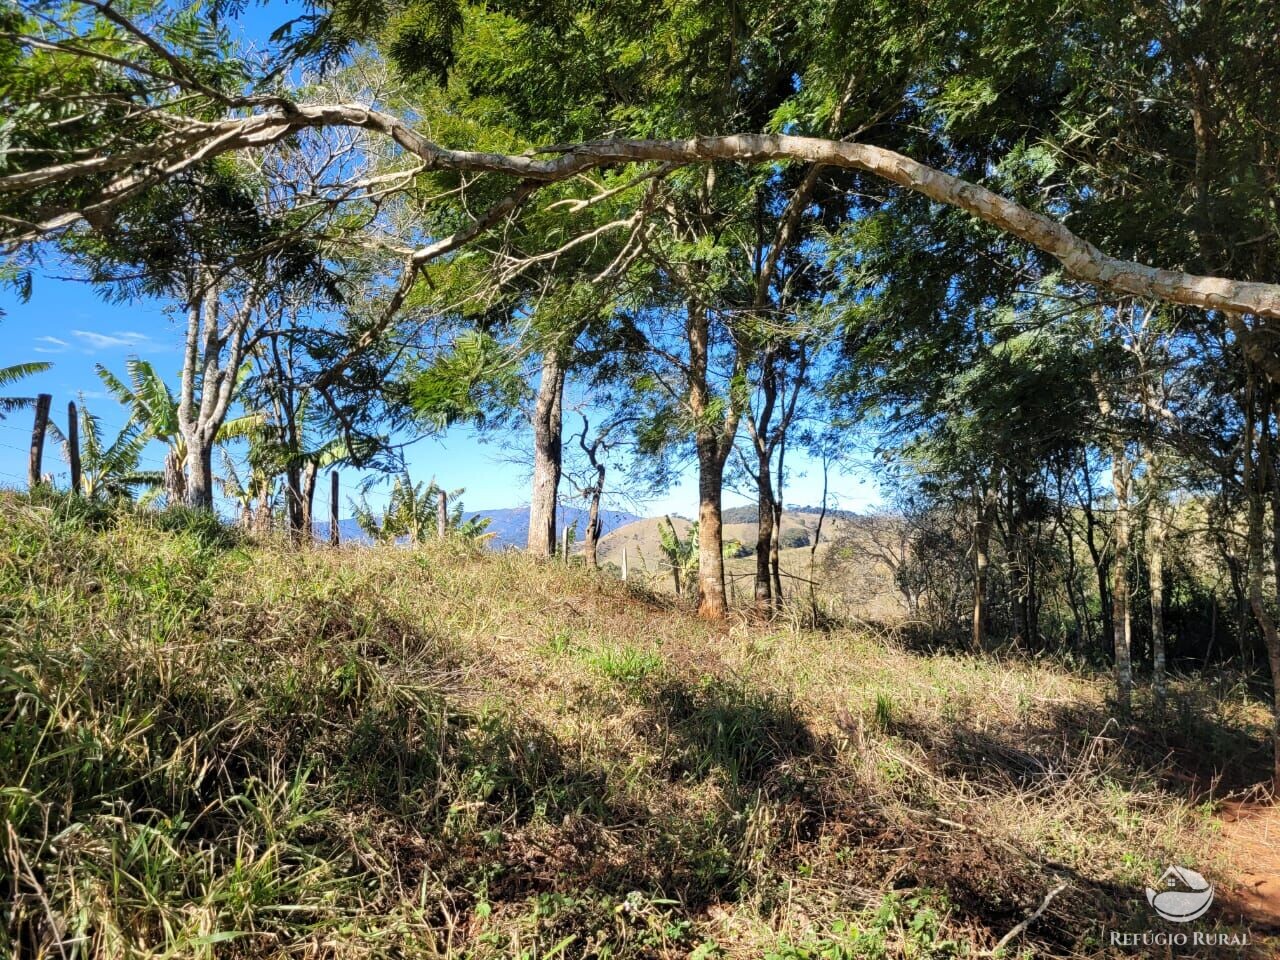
(69, 325)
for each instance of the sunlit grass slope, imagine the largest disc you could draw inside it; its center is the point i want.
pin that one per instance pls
(210, 748)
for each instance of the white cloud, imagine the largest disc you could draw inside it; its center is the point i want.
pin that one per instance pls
(51, 345)
(104, 341)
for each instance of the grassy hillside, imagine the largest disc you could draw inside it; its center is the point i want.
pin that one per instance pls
(217, 749)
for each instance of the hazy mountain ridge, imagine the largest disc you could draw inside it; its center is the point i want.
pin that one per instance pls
(510, 525)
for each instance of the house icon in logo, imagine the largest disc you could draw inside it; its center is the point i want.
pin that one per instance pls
(1181, 895)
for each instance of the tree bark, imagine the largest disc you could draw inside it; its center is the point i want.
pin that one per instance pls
(713, 604)
(200, 472)
(262, 516)
(1121, 470)
(1255, 480)
(982, 564)
(293, 508)
(309, 471)
(212, 355)
(335, 534)
(442, 514)
(761, 430)
(547, 453)
(592, 535)
(1157, 529)
(766, 535)
(175, 481)
(1096, 555)
(713, 441)
(1155, 579)
(775, 546)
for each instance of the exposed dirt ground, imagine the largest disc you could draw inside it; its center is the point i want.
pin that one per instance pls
(1251, 840)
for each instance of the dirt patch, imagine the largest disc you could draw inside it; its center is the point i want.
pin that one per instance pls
(1251, 839)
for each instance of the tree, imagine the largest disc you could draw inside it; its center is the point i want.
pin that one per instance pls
(154, 409)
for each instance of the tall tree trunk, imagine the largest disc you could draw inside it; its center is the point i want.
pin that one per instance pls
(1097, 556)
(982, 564)
(307, 527)
(591, 536)
(1121, 624)
(547, 453)
(766, 532)
(775, 548)
(765, 537)
(1015, 540)
(1255, 480)
(1155, 575)
(293, 501)
(199, 471)
(713, 442)
(1157, 529)
(713, 604)
(212, 355)
(262, 515)
(1121, 472)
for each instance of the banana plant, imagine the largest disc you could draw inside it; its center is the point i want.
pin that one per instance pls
(411, 515)
(681, 556)
(155, 409)
(111, 470)
(12, 374)
(252, 493)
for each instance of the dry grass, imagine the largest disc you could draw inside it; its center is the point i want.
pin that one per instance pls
(223, 749)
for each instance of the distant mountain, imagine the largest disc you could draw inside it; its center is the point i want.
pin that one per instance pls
(748, 513)
(348, 532)
(510, 526)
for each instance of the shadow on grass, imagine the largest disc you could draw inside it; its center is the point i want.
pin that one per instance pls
(346, 748)
(1182, 751)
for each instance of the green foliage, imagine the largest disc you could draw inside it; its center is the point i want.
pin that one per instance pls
(681, 555)
(419, 37)
(628, 666)
(411, 514)
(111, 469)
(474, 379)
(12, 374)
(899, 926)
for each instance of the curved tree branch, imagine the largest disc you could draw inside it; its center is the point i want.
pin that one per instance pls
(1081, 259)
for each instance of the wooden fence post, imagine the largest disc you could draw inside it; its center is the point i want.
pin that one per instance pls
(334, 535)
(624, 564)
(73, 446)
(564, 544)
(442, 515)
(37, 439)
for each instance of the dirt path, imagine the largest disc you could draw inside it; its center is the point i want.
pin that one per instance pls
(1251, 838)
